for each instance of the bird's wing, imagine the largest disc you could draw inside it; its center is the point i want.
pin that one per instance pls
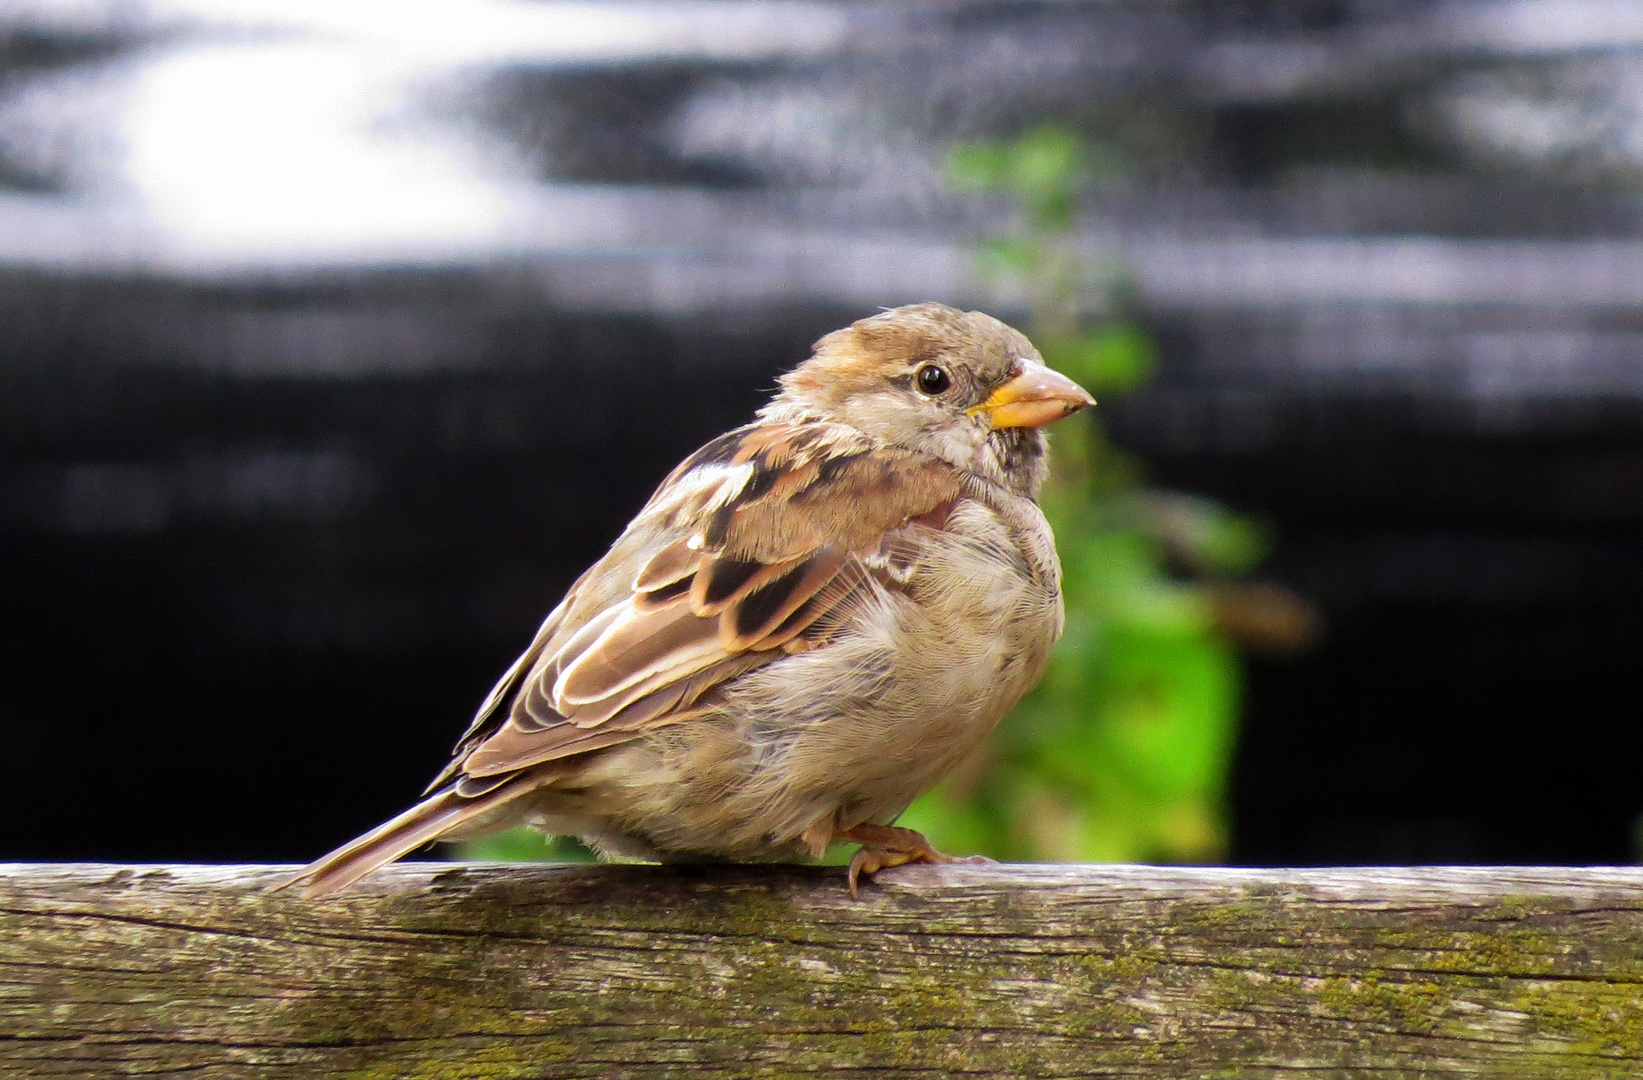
(759, 545)
(755, 547)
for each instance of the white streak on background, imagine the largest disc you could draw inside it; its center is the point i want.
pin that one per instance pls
(291, 133)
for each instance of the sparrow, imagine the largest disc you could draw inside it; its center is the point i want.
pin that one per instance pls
(813, 620)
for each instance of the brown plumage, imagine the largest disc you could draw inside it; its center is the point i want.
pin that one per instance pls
(814, 619)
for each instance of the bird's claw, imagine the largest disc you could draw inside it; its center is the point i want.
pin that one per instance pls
(884, 846)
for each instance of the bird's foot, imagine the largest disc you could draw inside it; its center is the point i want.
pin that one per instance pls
(884, 846)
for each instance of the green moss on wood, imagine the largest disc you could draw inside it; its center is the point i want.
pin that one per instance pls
(541, 972)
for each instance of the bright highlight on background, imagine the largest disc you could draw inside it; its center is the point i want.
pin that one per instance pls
(274, 133)
(301, 149)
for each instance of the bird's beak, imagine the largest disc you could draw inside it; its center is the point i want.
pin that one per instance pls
(1034, 397)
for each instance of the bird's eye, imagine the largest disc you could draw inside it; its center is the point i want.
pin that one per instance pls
(932, 379)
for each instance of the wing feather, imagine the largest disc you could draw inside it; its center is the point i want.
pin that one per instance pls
(671, 642)
(761, 611)
(770, 535)
(674, 563)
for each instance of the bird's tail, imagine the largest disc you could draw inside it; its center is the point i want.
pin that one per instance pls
(428, 820)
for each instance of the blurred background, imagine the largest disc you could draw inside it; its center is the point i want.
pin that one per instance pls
(337, 338)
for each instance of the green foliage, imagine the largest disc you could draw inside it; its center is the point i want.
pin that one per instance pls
(1123, 752)
(522, 844)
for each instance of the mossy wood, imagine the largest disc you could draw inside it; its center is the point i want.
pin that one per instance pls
(445, 970)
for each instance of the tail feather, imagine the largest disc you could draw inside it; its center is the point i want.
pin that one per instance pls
(427, 820)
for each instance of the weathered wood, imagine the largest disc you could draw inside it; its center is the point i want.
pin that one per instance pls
(444, 970)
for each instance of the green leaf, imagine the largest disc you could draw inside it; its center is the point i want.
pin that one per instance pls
(1009, 255)
(978, 166)
(522, 844)
(1203, 533)
(1119, 356)
(1170, 705)
(1045, 161)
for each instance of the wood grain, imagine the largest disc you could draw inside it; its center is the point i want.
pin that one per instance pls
(448, 970)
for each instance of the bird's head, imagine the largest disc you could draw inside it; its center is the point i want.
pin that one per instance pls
(958, 385)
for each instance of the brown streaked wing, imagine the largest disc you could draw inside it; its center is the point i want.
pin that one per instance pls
(639, 647)
(748, 623)
(672, 564)
(767, 554)
(510, 750)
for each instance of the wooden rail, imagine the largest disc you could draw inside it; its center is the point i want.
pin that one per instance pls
(445, 970)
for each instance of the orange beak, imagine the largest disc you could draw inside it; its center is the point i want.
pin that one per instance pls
(1034, 397)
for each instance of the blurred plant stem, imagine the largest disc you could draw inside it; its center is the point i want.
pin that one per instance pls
(1123, 752)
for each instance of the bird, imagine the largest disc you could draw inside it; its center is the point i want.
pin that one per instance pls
(813, 620)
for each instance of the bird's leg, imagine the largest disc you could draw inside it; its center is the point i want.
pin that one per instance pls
(884, 846)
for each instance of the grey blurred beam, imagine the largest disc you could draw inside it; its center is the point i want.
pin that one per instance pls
(436, 970)
(1407, 270)
(1421, 41)
(635, 249)
(1197, 273)
(574, 32)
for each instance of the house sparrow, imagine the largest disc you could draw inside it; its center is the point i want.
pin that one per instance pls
(812, 621)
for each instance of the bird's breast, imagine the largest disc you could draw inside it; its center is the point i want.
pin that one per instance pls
(925, 672)
(854, 730)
